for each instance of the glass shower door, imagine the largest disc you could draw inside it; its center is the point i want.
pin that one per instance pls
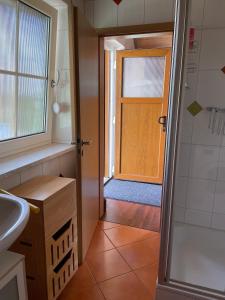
(197, 236)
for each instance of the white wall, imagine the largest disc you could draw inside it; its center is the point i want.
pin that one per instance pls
(200, 184)
(105, 13)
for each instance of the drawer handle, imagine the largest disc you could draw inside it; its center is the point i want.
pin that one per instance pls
(63, 262)
(63, 229)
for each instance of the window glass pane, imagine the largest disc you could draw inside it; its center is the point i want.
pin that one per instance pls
(7, 34)
(143, 77)
(33, 41)
(7, 107)
(31, 106)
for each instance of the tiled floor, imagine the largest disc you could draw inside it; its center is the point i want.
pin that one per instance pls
(121, 264)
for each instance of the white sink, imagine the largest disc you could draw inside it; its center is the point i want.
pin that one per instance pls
(14, 215)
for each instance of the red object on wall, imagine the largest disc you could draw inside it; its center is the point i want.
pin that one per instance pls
(117, 1)
(191, 38)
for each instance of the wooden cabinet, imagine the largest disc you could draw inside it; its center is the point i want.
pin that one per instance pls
(12, 276)
(49, 241)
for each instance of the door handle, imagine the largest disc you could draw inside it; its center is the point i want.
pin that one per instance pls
(163, 121)
(86, 142)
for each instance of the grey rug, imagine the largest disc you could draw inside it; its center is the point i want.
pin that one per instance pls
(138, 192)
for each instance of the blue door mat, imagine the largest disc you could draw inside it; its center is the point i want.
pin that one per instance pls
(137, 192)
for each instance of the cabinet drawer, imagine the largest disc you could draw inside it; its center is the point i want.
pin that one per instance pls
(62, 273)
(58, 209)
(61, 243)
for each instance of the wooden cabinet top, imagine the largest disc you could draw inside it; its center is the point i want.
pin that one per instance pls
(42, 188)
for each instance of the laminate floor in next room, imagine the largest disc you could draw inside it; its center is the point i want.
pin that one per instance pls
(121, 264)
(133, 214)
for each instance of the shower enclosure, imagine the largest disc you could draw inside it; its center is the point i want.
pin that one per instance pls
(192, 259)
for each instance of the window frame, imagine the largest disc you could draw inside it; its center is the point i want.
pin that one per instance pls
(15, 145)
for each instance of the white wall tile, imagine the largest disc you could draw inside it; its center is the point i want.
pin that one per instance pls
(222, 154)
(199, 218)
(186, 129)
(131, 12)
(31, 172)
(89, 11)
(204, 162)
(221, 166)
(214, 13)
(178, 214)
(67, 163)
(211, 91)
(180, 191)
(219, 204)
(223, 141)
(156, 12)
(186, 119)
(9, 182)
(193, 54)
(221, 171)
(201, 132)
(190, 92)
(62, 122)
(51, 167)
(184, 159)
(218, 221)
(105, 13)
(196, 14)
(200, 194)
(209, 59)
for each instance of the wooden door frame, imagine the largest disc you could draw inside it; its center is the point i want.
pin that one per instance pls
(78, 134)
(102, 33)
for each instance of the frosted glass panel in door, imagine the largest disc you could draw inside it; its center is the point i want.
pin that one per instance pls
(143, 77)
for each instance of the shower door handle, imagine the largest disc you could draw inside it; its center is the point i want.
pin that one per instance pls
(163, 121)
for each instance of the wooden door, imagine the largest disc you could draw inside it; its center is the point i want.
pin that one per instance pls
(86, 49)
(142, 98)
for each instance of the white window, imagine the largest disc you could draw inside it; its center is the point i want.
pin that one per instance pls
(26, 65)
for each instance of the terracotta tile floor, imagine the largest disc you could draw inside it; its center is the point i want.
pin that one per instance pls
(121, 264)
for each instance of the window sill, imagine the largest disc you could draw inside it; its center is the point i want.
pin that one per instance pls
(17, 162)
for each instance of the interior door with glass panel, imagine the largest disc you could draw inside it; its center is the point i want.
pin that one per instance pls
(141, 113)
